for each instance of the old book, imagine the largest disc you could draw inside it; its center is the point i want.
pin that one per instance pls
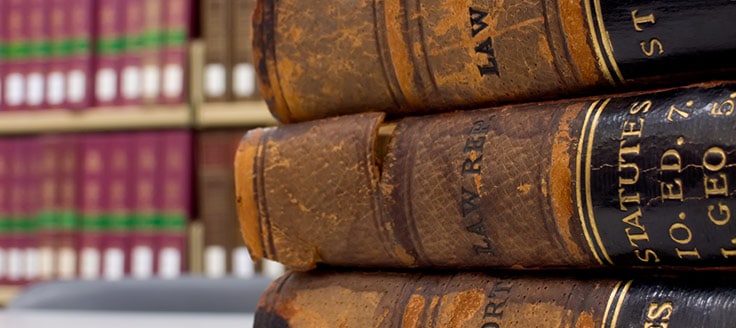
(6, 166)
(639, 179)
(323, 58)
(216, 32)
(243, 80)
(387, 299)
(49, 168)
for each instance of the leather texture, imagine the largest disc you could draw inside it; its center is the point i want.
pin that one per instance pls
(471, 299)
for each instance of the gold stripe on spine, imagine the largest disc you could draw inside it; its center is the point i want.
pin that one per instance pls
(596, 44)
(588, 197)
(611, 300)
(606, 41)
(578, 179)
(621, 297)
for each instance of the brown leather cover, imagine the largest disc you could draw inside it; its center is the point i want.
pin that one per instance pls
(373, 299)
(578, 183)
(323, 58)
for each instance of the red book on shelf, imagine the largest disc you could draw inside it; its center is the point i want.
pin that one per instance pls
(146, 164)
(175, 178)
(92, 195)
(116, 241)
(79, 62)
(6, 160)
(14, 70)
(151, 40)
(30, 208)
(38, 49)
(131, 57)
(109, 25)
(18, 184)
(177, 24)
(57, 29)
(47, 185)
(67, 176)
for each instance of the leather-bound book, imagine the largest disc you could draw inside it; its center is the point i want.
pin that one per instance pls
(323, 58)
(469, 299)
(216, 30)
(80, 72)
(243, 82)
(630, 180)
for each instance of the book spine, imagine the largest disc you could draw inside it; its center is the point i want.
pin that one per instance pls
(176, 204)
(69, 168)
(216, 31)
(59, 33)
(80, 81)
(48, 215)
(216, 201)
(6, 160)
(110, 25)
(243, 71)
(143, 239)
(117, 236)
(15, 252)
(434, 55)
(151, 43)
(38, 51)
(30, 209)
(14, 74)
(131, 61)
(92, 194)
(177, 21)
(634, 180)
(485, 300)
(4, 16)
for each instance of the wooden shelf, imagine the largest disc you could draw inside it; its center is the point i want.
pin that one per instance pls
(233, 114)
(7, 293)
(96, 119)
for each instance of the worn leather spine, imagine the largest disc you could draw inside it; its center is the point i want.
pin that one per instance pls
(322, 58)
(634, 180)
(386, 299)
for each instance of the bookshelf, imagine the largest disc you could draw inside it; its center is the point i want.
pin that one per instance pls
(207, 115)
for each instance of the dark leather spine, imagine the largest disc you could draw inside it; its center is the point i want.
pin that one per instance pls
(633, 180)
(323, 58)
(371, 299)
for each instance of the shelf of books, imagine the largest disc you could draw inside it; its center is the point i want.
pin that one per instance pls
(95, 119)
(233, 114)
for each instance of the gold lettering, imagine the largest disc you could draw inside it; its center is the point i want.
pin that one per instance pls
(723, 210)
(681, 253)
(641, 20)
(650, 51)
(627, 151)
(640, 107)
(472, 166)
(631, 129)
(711, 152)
(633, 220)
(673, 159)
(729, 252)
(679, 112)
(628, 181)
(669, 192)
(625, 199)
(649, 256)
(682, 227)
(716, 186)
(660, 312)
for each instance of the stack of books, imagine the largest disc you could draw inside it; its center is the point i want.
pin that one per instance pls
(487, 164)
